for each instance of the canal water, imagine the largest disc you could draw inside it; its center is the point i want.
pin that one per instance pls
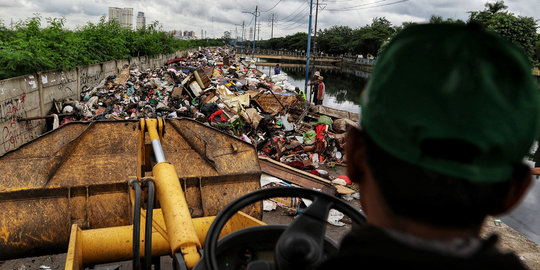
(343, 90)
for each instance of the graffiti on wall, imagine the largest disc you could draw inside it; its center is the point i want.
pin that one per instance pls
(89, 81)
(14, 133)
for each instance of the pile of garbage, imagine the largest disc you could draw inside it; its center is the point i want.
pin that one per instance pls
(216, 88)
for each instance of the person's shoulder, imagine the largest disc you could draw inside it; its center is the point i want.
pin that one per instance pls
(372, 247)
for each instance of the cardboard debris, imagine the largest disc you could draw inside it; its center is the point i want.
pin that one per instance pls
(254, 116)
(123, 76)
(270, 105)
(235, 98)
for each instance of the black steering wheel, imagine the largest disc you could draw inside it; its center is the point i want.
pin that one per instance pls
(301, 245)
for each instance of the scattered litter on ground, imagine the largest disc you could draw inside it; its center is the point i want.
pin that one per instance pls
(350, 197)
(215, 87)
(334, 218)
(269, 205)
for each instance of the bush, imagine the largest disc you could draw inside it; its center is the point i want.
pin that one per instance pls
(28, 47)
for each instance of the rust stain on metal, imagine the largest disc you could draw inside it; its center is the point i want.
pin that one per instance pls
(78, 174)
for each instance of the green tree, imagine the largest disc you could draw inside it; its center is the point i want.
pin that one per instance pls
(31, 47)
(439, 19)
(537, 52)
(495, 7)
(370, 38)
(335, 40)
(436, 19)
(517, 29)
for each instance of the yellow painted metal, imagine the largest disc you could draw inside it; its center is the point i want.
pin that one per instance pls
(141, 150)
(74, 254)
(161, 128)
(77, 174)
(219, 170)
(115, 244)
(180, 229)
(152, 128)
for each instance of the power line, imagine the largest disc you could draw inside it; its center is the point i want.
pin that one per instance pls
(255, 15)
(341, 1)
(295, 23)
(273, 6)
(299, 14)
(295, 11)
(249, 24)
(362, 7)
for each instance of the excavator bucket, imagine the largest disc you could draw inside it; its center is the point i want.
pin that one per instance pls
(78, 174)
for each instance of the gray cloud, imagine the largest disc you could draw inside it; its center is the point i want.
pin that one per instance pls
(228, 14)
(10, 3)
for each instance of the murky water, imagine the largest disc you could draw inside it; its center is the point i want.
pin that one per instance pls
(342, 89)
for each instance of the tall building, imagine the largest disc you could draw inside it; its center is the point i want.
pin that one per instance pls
(122, 15)
(127, 18)
(141, 20)
(115, 14)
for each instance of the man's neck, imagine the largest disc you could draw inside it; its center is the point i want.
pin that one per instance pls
(422, 230)
(380, 215)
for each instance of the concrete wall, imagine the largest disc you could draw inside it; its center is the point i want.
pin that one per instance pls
(19, 97)
(90, 76)
(58, 85)
(34, 94)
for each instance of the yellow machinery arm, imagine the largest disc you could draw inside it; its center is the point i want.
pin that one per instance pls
(69, 187)
(180, 229)
(87, 247)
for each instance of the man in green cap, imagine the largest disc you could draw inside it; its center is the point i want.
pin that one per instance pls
(447, 117)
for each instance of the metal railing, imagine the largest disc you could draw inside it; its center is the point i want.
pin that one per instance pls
(288, 53)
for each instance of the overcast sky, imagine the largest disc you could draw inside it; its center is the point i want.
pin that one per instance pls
(291, 16)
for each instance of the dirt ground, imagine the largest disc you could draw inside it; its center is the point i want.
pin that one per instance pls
(510, 240)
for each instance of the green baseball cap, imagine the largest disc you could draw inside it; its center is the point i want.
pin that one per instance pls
(442, 89)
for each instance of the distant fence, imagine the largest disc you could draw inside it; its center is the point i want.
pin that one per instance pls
(358, 60)
(33, 94)
(287, 53)
(353, 59)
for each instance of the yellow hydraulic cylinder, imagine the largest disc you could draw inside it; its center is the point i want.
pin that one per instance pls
(114, 244)
(180, 230)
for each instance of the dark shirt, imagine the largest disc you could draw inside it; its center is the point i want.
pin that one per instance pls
(368, 247)
(277, 70)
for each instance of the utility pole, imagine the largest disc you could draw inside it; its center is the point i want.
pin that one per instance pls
(315, 35)
(272, 32)
(316, 17)
(243, 36)
(308, 45)
(255, 14)
(236, 37)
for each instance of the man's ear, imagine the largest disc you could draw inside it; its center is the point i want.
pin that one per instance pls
(355, 150)
(519, 185)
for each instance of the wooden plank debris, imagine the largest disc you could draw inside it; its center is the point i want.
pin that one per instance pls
(300, 177)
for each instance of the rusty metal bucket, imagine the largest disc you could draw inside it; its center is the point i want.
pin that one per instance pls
(78, 174)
